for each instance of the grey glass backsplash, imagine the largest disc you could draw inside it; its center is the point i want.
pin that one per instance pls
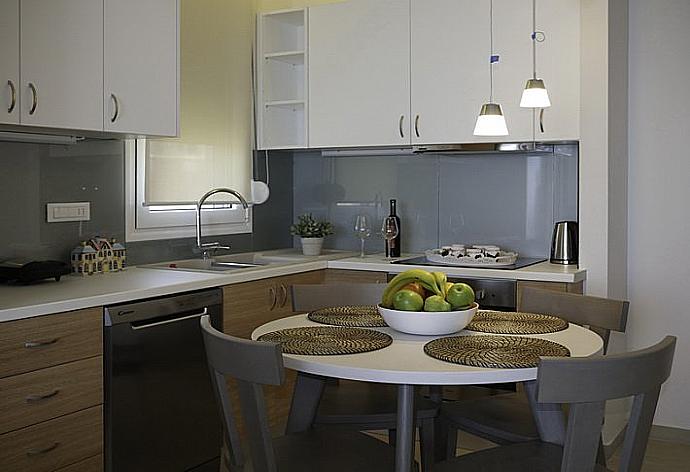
(511, 200)
(33, 175)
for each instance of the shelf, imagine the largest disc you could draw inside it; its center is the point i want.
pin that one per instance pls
(284, 103)
(289, 57)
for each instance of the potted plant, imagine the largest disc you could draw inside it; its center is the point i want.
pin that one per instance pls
(311, 233)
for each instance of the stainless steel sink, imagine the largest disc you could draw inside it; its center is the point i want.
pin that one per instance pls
(205, 265)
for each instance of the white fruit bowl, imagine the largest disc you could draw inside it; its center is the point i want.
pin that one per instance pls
(428, 323)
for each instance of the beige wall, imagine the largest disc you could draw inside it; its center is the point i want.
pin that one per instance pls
(268, 5)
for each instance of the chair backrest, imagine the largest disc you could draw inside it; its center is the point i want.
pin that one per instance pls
(252, 364)
(587, 382)
(602, 315)
(314, 297)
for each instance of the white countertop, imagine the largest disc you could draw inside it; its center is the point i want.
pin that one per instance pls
(137, 283)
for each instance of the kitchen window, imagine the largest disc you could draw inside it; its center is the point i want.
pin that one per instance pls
(164, 180)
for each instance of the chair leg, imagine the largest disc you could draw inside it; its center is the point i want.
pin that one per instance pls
(445, 440)
(426, 444)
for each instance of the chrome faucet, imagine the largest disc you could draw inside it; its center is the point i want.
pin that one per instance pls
(207, 248)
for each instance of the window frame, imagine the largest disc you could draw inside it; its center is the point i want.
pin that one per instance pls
(148, 223)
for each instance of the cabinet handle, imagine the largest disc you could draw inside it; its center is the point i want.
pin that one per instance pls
(284, 291)
(274, 297)
(34, 98)
(116, 102)
(416, 125)
(13, 95)
(38, 398)
(34, 344)
(36, 452)
(541, 120)
(400, 126)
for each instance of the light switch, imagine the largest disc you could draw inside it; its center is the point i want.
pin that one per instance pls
(59, 212)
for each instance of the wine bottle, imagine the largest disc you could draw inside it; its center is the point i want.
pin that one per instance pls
(393, 248)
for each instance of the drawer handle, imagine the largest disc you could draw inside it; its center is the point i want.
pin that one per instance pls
(37, 452)
(116, 102)
(284, 291)
(34, 98)
(38, 398)
(274, 298)
(13, 96)
(34, 344)
(400, 126)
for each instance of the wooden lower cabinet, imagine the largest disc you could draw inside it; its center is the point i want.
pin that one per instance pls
(92, 464)
(355, 276)
(48, 446)
(577, 287)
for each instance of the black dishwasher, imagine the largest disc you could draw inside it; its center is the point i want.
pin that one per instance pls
(160, 408)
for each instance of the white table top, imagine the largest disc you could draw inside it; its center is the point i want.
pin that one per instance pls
(404, 361)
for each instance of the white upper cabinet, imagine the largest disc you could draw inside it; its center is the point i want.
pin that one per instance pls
(359, 74)
(449, 81)
(558, 63)
(140, 67)
(450, 68)
(62, 64)
(9, 61)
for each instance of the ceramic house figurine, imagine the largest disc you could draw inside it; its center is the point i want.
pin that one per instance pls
(98, 255)
(83, 259)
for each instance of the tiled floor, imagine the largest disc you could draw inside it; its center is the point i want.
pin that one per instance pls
(661, 456)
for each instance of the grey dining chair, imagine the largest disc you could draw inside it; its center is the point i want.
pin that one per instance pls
(362, 405)
(585, 384)
(254, 364)
(507, 418)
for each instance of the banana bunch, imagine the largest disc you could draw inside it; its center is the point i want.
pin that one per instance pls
(434, 282)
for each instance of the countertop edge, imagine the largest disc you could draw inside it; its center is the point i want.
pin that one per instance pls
(208, 280)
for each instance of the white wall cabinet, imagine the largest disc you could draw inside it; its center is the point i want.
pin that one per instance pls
(105, 66)
(62, 64)
(423, 65)
(9, 61)
(141, 67)
(359, 74)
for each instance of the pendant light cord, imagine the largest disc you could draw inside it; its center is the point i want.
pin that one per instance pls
(534, 39)
(491, 57)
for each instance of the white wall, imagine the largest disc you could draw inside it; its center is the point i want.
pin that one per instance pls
(659, 191)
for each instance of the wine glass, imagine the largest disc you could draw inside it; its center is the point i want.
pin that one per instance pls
(389, 231)
(362, 230)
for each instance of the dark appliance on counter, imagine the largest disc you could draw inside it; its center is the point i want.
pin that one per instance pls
(564, 243)
(160, 407)
(28, 272)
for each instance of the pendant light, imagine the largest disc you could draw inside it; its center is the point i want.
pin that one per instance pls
(491, 121)
(535, 94)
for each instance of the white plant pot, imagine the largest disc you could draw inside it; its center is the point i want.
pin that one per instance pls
(311, 246)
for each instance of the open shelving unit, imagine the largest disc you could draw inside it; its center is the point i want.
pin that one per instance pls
(282, 59)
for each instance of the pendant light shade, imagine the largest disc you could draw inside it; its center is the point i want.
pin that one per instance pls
(535, 95)
(491, 121)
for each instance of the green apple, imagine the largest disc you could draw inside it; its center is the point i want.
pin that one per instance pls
(408, 300)
(460, 296)
(436, 303)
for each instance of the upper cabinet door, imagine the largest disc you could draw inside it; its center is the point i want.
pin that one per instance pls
(359, 74)
(450, 68)
(9, 61)
(62, 63)
(140, 94)
(450, 81)
(558, 63)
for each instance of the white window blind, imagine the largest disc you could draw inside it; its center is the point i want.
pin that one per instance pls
(215, 144)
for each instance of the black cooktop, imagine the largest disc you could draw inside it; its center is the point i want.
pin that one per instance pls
(519, 264)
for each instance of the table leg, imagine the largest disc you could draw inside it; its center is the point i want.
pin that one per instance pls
(404, 446)
(305, 402)
(549, 417)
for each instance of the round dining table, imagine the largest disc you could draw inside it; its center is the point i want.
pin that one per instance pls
(405, 364)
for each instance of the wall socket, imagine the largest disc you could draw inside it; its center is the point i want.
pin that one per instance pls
(61, 212)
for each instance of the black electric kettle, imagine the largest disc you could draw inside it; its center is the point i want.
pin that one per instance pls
(564, 243)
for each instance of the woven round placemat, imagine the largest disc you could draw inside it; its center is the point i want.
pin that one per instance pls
(499, 322)
(501, 352)
(328, 340)
(360, 316)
